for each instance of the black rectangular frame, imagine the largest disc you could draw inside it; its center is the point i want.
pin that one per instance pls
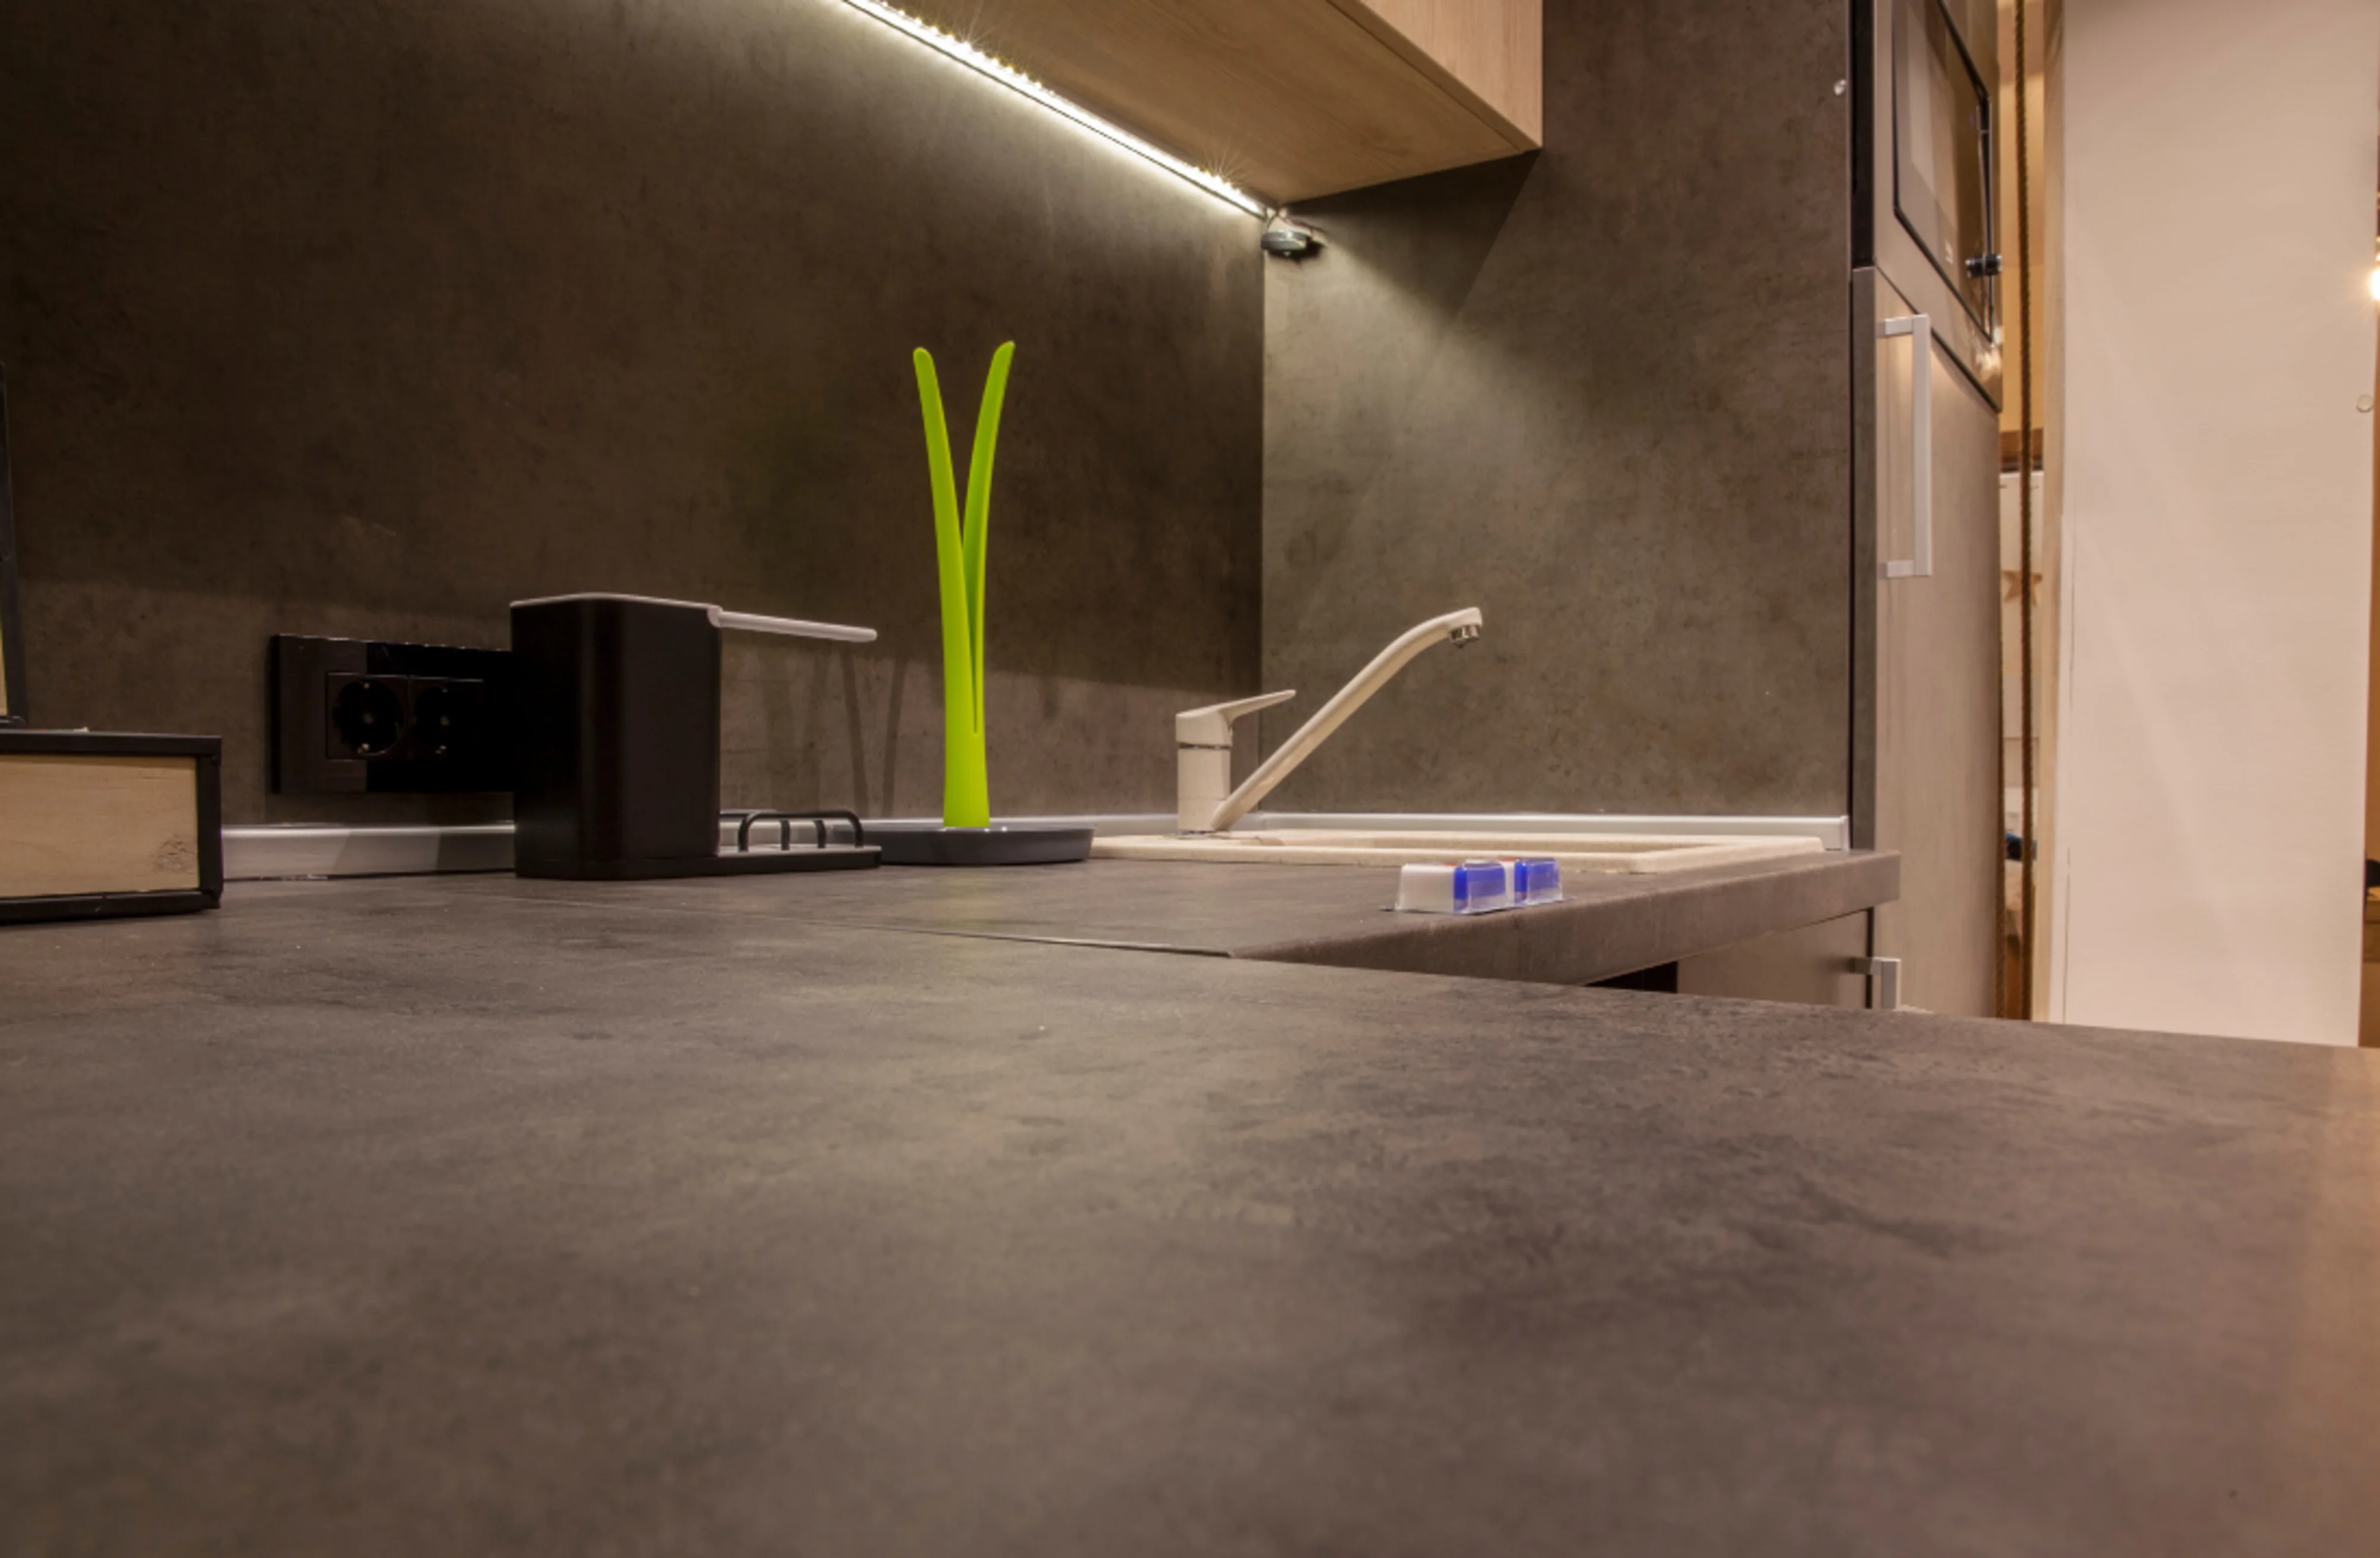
(296, 666)
(207, 750)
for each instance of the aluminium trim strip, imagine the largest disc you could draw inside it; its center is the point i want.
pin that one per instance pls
(262, 854)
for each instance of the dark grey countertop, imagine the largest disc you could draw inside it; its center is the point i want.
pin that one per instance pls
(1612, 924)
(457, 1217)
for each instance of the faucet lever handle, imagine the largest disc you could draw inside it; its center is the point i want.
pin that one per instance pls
(1211, 726)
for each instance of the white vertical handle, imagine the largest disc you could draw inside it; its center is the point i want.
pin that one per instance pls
(1883, 976)
(1919, 328)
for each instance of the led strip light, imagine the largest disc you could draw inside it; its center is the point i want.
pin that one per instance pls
(1023, 85)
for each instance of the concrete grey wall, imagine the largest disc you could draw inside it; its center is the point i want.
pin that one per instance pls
(1604, 395)
(366, 318)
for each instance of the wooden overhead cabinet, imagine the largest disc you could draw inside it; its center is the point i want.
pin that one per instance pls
(1288, 99)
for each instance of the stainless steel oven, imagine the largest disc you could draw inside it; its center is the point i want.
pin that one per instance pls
(1926, 208)
(1942, 153)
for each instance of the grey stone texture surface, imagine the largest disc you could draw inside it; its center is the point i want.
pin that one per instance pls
(1602, 394)
(367, 318)
(1335, 916)
(394, 1218)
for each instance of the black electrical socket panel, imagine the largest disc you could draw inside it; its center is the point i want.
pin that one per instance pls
(357, 715)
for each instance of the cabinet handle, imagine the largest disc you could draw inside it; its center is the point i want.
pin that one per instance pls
(1919, 328)
(1883, 975)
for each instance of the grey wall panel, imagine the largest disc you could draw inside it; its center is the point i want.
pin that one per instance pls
(367, 318)
(1603, 394)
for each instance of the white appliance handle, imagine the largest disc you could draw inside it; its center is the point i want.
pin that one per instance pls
(741, 622)
(790, 628)
(1919, 328)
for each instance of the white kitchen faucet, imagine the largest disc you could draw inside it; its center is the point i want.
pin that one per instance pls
(1203, 736)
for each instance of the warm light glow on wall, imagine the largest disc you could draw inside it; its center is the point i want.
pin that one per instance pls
(1023, 85)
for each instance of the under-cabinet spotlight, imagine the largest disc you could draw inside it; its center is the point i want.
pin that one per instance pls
(1285, 239)
(2375, 283)
(1016, 81)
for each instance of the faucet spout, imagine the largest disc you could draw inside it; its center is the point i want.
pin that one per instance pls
(1455, 628)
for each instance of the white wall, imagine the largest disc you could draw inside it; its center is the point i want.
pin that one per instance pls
(2218, 227)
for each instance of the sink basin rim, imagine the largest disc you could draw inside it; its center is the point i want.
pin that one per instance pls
(1629, 853)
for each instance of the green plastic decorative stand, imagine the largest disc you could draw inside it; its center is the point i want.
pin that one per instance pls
(967, 836)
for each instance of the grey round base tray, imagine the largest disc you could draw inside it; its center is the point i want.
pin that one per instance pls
(930, 843)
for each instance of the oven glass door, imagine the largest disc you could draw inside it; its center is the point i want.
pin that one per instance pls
(1942, 161)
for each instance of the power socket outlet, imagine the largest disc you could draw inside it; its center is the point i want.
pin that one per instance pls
(359, 716)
